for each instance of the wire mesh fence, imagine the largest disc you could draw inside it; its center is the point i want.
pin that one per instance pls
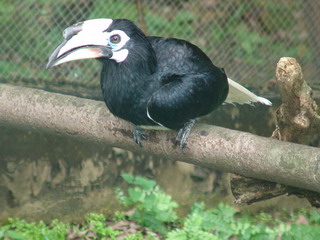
(246, 37)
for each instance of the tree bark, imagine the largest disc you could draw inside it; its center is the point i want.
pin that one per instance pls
(141, 16)
(297, 117)
(210, 146)
(297, 121)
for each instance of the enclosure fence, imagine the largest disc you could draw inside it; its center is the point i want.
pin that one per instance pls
(246, 37)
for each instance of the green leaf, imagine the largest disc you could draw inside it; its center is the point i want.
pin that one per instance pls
(191, 234)
(128, 178)
(150, 201)
(136, 195)
(314, 216)
(93, 217)
(305, 232)
(226, 212)
(145, 183)
(14, 235)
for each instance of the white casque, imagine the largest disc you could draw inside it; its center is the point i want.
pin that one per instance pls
(93, 33)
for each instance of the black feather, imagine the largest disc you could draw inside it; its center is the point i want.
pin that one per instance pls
(170, 78)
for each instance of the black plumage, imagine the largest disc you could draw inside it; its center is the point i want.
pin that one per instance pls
(171, 78)
(162, 81)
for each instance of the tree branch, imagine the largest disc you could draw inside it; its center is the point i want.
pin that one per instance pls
(209, 146)
(297, 121)
(140, 15)
(297, 118)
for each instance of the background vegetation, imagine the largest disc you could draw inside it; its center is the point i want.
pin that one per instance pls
(245, 37)
(152, 216)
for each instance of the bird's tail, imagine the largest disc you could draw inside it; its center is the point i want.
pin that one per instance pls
(241, 95)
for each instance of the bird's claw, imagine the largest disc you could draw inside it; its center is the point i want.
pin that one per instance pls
(183, 134)
(138, 136)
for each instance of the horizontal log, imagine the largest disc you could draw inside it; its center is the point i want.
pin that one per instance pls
(211, 146)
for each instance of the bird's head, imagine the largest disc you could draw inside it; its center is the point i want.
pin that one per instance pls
(100, 38)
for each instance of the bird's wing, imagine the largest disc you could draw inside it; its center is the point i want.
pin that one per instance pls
(186, 96)
(241, 95)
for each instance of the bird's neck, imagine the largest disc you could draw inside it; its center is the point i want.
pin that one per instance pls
(126, 86)
(135, 70)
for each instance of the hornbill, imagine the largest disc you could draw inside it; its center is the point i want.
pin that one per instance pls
(148, 80)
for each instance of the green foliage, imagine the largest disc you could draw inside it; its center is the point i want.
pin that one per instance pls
(256, 45)
(222, 223)
(118, 216)
(97, 223)
(139, 236)
(144, 183)
(179, 26)
(37, 231)
(305, 232)
(314, 217)
(6, 233)
(28, 48)
(119, 9)
(153, 208)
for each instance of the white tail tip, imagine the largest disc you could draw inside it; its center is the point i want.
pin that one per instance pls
(241, 95)
(264, 101)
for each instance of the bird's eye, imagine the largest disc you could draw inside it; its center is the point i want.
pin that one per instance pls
(115, 38)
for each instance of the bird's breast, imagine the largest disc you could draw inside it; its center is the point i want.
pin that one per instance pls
(126, 96)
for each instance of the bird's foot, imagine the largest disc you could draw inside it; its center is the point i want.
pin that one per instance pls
(183, 134)
(138, 135)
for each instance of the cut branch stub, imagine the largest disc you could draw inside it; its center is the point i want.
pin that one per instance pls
(297, 121)
(297, 118)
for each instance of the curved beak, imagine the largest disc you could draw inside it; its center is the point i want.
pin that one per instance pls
(83, 40)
